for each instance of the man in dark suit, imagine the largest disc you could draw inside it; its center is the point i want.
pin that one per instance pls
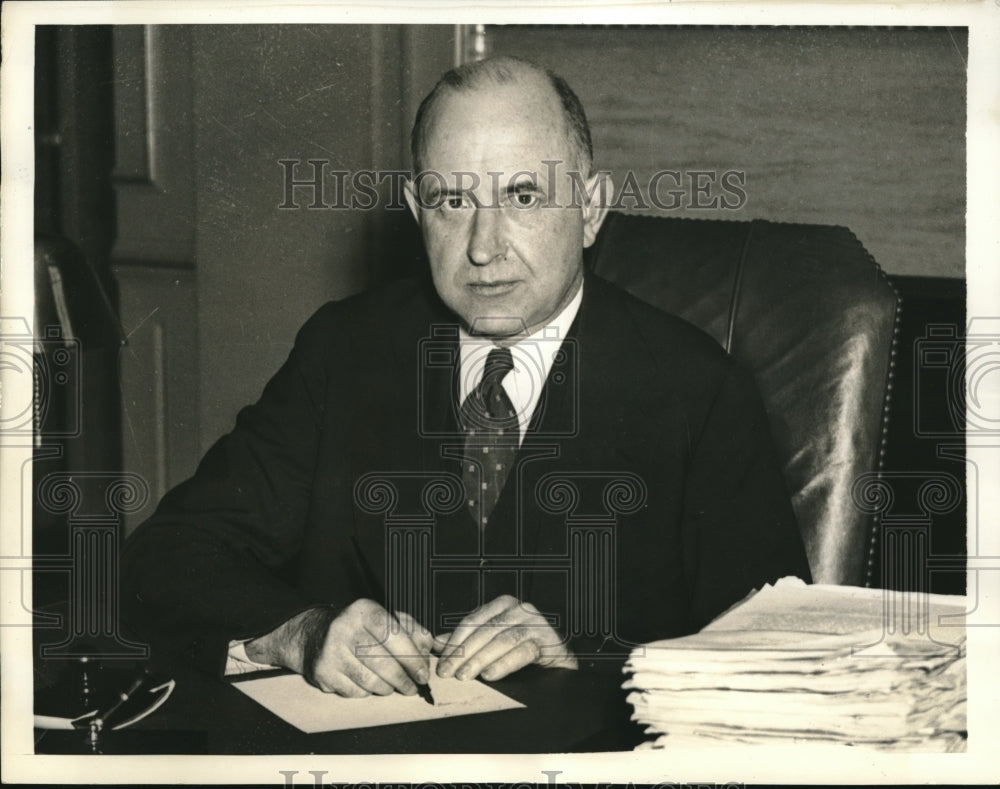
(512, 463)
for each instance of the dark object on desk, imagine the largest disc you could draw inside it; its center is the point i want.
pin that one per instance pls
(89, 696)
(809, 312)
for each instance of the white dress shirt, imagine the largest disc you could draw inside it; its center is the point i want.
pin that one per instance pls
(532, 355)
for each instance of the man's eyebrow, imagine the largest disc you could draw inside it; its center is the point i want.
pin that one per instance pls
(435, 192)
(521, 185)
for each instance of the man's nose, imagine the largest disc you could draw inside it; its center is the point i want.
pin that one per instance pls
(486, 239)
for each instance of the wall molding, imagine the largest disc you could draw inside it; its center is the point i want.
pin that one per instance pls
(154, 174)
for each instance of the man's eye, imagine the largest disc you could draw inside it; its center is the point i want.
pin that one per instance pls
(524, 199)
(456, 203)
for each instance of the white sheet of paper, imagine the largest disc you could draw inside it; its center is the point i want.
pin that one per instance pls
(311, 710)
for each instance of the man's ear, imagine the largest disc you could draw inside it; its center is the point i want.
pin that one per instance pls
(598, 190)
(411, 200)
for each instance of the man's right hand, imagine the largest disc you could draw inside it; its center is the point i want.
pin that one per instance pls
(356, 652)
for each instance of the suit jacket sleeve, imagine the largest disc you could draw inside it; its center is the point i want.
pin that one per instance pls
(202, 570)
(739, 530)
(734, 529)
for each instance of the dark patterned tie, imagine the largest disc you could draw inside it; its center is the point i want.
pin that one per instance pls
(491, 437)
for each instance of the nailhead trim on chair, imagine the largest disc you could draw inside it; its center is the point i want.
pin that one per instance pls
(890, 372)
(886, 407)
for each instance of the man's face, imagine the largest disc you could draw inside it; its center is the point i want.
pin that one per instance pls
(504, 240)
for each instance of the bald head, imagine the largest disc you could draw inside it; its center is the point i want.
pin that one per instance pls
(484, 75)
(500, 195)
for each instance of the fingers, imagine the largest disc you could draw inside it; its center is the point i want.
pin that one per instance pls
(345, 675)
(507, 652)
(440, 643)
(525, 653)
(392, 650)
(392, 671)
(497, 635)
(501, 641)
(419, 635)
(367, 651)
(396, 656)
(454, 650)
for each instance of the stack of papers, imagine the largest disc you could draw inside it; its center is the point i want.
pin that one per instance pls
(811, 664)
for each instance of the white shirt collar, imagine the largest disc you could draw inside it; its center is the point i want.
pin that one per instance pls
(532, 357)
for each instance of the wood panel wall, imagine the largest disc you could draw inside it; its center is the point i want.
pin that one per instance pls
(862, 127)
(215, 275)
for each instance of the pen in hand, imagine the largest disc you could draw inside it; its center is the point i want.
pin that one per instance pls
(404, 618)
(418, 633)
(424, 691)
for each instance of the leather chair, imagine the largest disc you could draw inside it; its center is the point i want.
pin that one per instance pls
(811, 314)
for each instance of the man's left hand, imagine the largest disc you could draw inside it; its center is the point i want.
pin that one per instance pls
(499, 638)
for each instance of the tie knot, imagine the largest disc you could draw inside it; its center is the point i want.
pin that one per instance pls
(498, 364)
(488, 407)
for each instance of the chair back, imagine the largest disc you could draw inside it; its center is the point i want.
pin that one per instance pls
(809, 312)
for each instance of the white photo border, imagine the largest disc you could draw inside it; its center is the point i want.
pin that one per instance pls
(757, 764)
